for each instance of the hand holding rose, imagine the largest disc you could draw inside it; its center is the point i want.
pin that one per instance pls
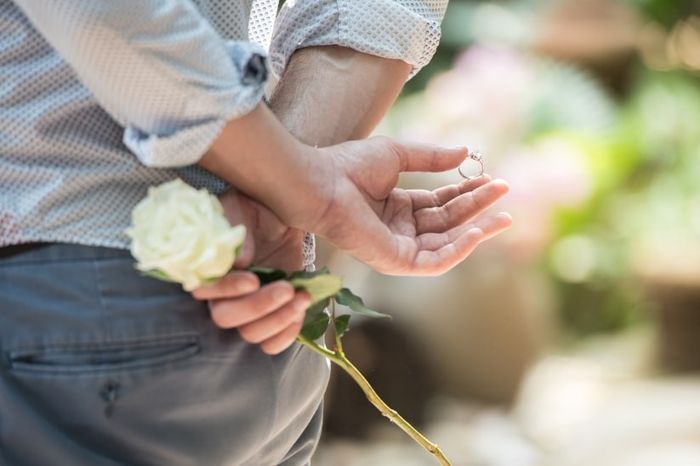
(271, 315)
(180, 234)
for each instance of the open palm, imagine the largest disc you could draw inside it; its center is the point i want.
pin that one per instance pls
(406, 232)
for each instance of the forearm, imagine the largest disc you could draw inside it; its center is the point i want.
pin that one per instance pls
(328, 95)
(347, 192)
(333, 94)
(257, 155)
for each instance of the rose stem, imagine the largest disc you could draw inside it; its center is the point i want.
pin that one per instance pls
(338, 357)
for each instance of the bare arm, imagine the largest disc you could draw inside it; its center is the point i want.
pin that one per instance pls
(329, 95)
(334, 94)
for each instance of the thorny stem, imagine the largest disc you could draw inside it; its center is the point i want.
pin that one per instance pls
(338, 357)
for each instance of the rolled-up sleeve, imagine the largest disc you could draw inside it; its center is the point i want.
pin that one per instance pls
(407, 30)
(157, 67)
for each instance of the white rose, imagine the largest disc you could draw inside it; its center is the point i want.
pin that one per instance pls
(180, 234)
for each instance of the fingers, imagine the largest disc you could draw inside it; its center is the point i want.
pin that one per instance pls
(277, 321)
(443, 259)
(494, 225)
(454, 246)
(491, 226)
(231, 313)
(421, 198)
(231, 285)
(459, 209)
(418, 157)
(271, 316)
(282, 340)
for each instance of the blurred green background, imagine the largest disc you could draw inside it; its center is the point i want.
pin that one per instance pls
(575, 337)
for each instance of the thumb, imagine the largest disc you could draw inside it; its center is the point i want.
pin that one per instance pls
(420, 157)
(237, 212)
(247, 215)
(247, 252)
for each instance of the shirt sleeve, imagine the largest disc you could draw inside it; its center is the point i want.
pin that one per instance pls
(157, 67)
(407, 30)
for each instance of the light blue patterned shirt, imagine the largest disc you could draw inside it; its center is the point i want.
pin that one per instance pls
(100, 99)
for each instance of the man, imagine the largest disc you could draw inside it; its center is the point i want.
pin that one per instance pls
(102, 99)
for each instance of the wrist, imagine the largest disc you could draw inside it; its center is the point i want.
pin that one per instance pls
(258, 156)
(305, 202)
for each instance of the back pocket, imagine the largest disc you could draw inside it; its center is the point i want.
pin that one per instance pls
(103, 357)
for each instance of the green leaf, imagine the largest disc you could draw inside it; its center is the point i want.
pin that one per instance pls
(316, 328)
(320, 286)
(317, 308)
(354, 302)
(266, 275)
(341, 324)
(308, 274)
(316, 320)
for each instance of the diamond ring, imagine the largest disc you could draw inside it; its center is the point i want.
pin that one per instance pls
(477, 157)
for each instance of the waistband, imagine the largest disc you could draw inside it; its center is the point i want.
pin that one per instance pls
(47, 252)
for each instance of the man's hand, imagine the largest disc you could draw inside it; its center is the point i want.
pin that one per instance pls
(397, 231)
(329, 95)
(269, 242)
(347, 193)
(364, 87)
(270, 316)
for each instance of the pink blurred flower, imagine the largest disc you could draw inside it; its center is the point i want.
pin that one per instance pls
(550, 174)
(487, 88)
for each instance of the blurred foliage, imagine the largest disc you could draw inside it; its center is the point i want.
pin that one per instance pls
(646, 188)
(667, 12)
(644, 161)
(463, 20)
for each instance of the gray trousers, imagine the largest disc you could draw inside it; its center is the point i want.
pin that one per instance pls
(102, 366)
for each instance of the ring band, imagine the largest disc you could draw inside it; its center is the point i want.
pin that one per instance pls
(477, 157)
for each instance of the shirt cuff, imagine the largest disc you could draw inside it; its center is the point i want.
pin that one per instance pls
(397, 29)
(185, 140)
